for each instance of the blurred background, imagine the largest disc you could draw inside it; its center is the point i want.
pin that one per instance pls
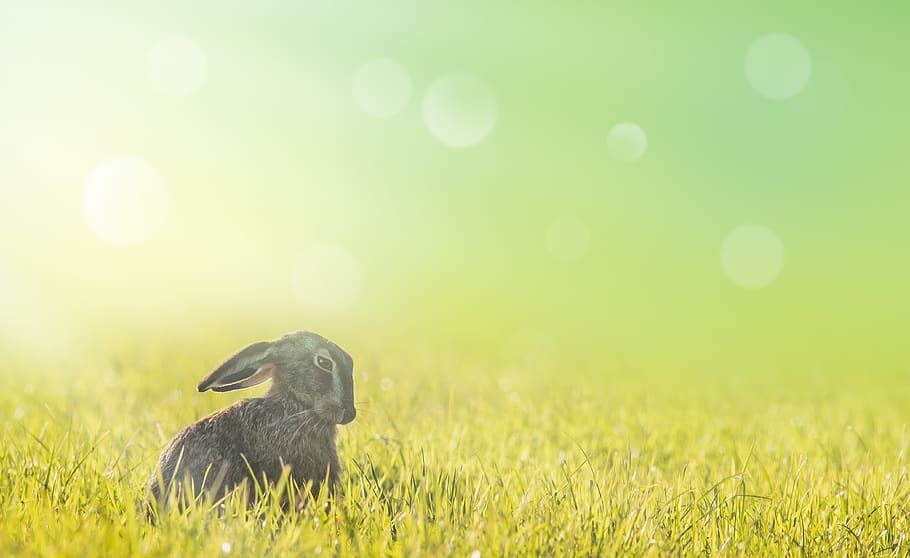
(581, 186)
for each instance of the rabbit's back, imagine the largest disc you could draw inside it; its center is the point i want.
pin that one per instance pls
(203, 453)
(259, 436)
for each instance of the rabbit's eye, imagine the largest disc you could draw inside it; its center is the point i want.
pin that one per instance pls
(325, 363)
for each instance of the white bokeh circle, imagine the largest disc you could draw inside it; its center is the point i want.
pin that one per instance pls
(752, 256)
(125, 200)
(176, 66)
(459, 110)
(568, 238)
(327, 279)
(627, 142)
(778, 66)
(382, 88)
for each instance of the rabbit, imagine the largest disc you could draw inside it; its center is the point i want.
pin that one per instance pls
(293, 424)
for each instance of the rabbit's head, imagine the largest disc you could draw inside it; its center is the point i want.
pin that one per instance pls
(302, 364)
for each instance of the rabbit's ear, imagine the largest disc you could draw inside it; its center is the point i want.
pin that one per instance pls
(245, 369)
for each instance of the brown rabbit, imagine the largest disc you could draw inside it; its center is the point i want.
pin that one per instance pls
(294, 424)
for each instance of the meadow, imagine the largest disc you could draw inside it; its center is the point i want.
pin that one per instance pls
(476, 458)
(617, 278)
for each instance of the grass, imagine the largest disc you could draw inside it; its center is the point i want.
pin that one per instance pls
(450, 458)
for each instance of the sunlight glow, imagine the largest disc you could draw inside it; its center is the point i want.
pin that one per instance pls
(530, 348)
(125, 201)
(327, 279)
(176, 66)
(28, 324)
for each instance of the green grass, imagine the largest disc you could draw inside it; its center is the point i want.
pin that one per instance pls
(450, 458)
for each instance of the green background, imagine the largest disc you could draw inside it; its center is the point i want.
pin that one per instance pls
(272, 155)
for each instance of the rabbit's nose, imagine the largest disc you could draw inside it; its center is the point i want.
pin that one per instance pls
(349, 414)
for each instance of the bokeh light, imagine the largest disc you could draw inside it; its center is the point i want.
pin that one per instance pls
(499, 172)
(125, 201)
(778, 66)
(459, 110)
(382, 88)
(752, 256)
(627, 142)
(176, 66)
(568, 238)
(327, 279)
(543, 232)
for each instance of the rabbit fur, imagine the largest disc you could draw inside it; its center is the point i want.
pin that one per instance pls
(293, 425)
